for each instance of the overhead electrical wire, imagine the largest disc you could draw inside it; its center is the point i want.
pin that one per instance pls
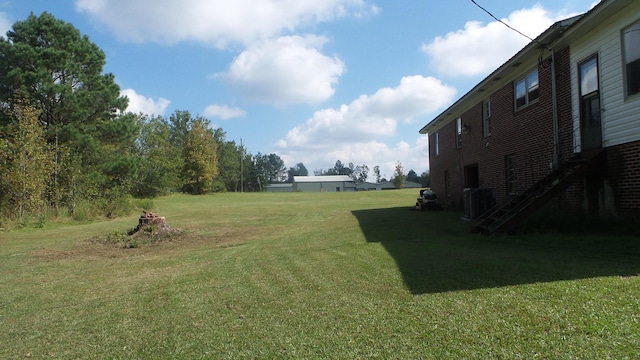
(500, 21)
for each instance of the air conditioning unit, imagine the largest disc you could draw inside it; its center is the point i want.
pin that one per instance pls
(477, 201)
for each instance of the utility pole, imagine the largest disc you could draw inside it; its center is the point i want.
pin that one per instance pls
(241, 167)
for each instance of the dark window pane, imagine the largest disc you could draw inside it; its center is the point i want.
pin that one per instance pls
(534, 94)
(633, 77)
(632, 43)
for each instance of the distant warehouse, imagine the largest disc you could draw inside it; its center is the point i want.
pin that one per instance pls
(331, 183)
(286, 187)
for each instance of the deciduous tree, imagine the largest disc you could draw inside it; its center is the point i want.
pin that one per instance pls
(398, 176)
(25, 162)
(161, 162)
(268, 169)
(200, 158)
(376, 173)
(229, 160)
(412, 176)
(360, 173)
(59, 72)
(298, 170)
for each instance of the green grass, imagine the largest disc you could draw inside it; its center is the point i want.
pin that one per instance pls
(316, 275)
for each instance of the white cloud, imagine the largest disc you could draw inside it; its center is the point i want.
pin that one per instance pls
(478, 48)
(353, 133)
(223, 112)
(217, 22)
(371, 153)
(290, 69)
(141, 104)
(5, 25)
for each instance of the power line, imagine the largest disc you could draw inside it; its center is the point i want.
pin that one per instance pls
(500, 21)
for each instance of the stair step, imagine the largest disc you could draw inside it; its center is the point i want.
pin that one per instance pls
(504, 215)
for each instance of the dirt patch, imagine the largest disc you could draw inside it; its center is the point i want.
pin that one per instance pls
(149, 242)
(151, 229)
(151, 236)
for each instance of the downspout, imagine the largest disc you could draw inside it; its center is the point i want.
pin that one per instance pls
(556, 140)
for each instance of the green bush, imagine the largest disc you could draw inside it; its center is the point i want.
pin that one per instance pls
(116, 203)
(143, 204)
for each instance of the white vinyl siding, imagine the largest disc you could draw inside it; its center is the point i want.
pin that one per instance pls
(620, 115)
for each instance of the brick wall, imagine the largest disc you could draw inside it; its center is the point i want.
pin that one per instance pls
(621, 188)
(525, 134)
(446, 160)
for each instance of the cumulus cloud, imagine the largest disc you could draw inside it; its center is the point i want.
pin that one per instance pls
(217, 22)
(141, 104)
(478, 48)
(354, 132)
(371, 153)
(5, 24)
(223, 112)
(290, 69)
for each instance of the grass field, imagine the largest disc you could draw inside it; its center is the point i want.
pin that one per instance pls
(315, 275)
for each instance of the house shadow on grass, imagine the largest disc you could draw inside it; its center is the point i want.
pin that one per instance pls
(435, 252)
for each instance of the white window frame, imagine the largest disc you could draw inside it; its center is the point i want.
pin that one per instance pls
(486, 118)
(458, 133)
(531, 89)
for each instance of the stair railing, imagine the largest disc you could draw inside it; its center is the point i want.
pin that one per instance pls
(531, 167)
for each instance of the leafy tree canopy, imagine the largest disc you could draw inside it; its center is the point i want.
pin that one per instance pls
(298, 170)
(398, 176)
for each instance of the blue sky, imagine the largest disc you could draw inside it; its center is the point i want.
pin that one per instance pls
(312, 81)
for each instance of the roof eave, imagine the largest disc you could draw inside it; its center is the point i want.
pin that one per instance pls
(470, 98)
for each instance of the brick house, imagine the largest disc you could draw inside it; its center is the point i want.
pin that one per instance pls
(560, 120)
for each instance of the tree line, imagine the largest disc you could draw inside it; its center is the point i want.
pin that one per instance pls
(360, 173)
(68, 146)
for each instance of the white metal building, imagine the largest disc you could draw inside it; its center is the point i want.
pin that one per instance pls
(286, 187)
(330, 183)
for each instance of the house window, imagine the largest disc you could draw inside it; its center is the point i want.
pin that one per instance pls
(458, 132)
(486, 118)
(437, 144)
(511, 176)
(631, 39)
(527, 89)
(447, 183)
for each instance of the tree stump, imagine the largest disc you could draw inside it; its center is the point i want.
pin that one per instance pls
(149, 219)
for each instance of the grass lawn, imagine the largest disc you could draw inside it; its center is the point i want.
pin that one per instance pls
(315, 275)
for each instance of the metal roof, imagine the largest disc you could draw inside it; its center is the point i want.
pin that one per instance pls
(324, 178)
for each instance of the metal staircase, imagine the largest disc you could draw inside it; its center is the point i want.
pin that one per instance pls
(504, 218)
